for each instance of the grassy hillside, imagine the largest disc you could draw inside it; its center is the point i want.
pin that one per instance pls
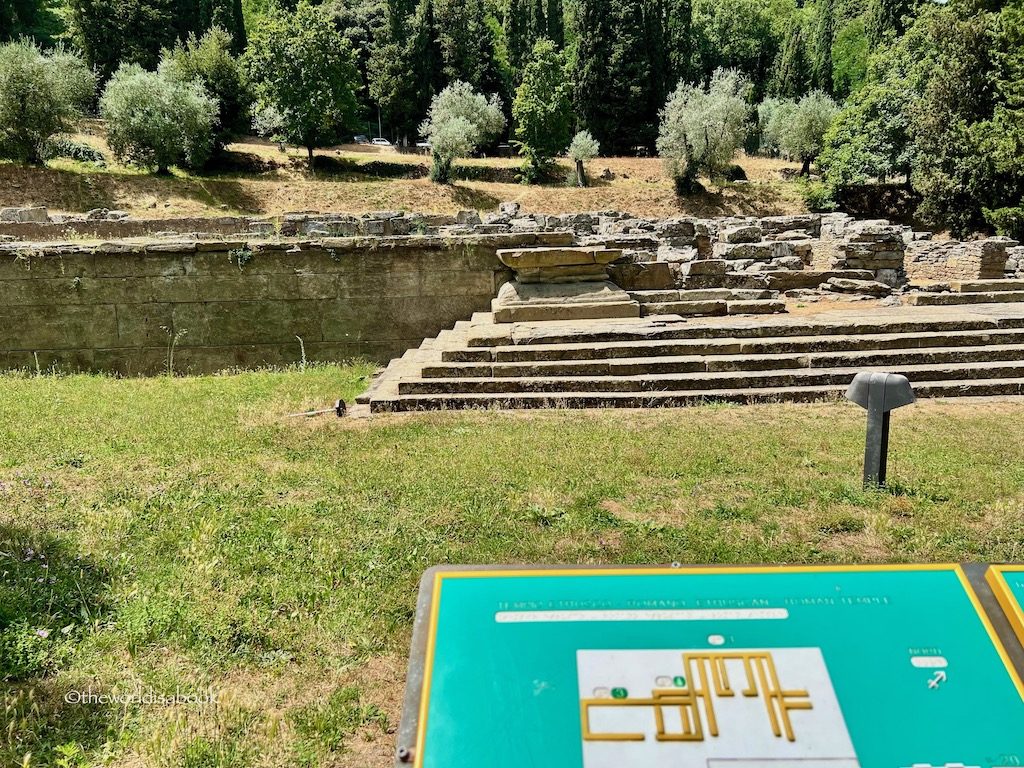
(256, 178)
(184, 534)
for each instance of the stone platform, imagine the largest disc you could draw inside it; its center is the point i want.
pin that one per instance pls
(668, 360)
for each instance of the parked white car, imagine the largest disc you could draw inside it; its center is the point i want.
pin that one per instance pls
(381, 143)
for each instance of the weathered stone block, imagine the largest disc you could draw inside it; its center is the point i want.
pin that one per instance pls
(654, 275)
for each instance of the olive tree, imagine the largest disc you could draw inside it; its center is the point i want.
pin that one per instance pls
(802, 135)
(702, 128)
(155, 121)
(582, 148)
(40, 96)
(459, 121)
(772, 117)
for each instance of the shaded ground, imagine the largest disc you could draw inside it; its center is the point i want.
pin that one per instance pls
(199, 539)
(256, 178)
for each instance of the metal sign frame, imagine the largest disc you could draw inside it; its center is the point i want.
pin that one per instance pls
(980, 580)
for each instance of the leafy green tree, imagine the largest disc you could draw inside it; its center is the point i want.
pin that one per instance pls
(966, 124)
(583, 147)
(39, 97)
(156, 122)
(405, 66)
(301, 68)
(466, 43)
(702, 128)
(208, 60)
(459, 121)
(736, 34)
(802, 135)
(618, 72)
(518, 34)
(869, 139)
(824, 20)
(110, 32)
(679, 39)
(555, 20)
(542, 111)
(850, 58)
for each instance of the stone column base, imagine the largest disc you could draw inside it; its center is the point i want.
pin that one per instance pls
(519, 302)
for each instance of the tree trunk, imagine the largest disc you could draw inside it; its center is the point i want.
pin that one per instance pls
(309, 154)
(581, 174)
(805, 169)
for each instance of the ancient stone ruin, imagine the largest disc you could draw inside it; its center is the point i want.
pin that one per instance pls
(518, 309)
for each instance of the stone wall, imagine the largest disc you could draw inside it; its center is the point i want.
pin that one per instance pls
(954, 260)
(117, 306)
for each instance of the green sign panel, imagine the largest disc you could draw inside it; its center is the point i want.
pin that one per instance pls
(831, 667)
(1007, 582)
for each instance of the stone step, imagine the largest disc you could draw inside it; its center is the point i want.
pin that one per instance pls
(924, 389)
(704, 381)
(720, 363)
(756, 307)
(685, 308)
(985, 286)
(648, 349)
(671, 296)
(950, 299)
(594, 333)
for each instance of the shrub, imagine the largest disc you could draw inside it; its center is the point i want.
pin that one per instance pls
(583, 147)
(62, 146)
(37, 100)
(156, 122)
(459, 121)
(208, 60)
(1007, 221)
(818, 196)
(701, 129)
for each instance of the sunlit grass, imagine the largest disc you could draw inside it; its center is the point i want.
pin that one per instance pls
(195, 537)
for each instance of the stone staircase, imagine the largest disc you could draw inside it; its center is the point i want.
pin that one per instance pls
(972, 292)
(666, 360)
(708, 302)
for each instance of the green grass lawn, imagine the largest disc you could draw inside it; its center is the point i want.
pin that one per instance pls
(182, 534)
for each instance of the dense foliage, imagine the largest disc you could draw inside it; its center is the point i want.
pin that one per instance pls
(926, 94)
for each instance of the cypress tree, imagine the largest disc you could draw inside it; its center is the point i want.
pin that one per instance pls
(517, 35)
(679, 40)
(887, 18)
(555, 15)
(593, 31)
(825, 32)
(792, 76)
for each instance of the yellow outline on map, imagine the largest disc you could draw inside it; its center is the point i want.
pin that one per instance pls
(440, 575)
(996, 578)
